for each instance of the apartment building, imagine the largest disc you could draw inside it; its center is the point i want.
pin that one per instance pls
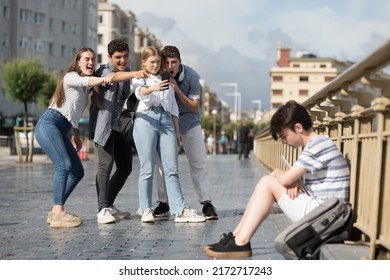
(115, 23)
(51, 30)
(301, 76)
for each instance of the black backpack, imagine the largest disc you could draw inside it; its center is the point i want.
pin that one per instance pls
(303, 239)
(126, 119)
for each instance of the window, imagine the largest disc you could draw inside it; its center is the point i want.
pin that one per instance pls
(277, 78)
(51, 23)
(303, 92)
(39, 18)
(328, 78)
(5, 41)
(277, 105)
(100, 38)
(100, 19)
(124, 25)
(25, 15)
(303, 78)
(295, 65)
(39, 45)
(322, 66)
(74, 29)
(6, 12)
(24, 42)
(63, 26)
(277, 92)
(51, 48)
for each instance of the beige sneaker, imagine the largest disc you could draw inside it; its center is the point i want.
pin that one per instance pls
(65, 220)
(147, 216)
(105, 217)
(189, 215)
(49, 217)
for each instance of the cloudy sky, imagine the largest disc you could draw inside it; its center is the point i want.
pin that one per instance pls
(235, 41)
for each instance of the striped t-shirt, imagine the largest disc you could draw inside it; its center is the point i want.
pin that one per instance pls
(327, 172)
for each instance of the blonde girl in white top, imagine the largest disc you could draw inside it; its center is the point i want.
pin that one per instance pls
(156, 134)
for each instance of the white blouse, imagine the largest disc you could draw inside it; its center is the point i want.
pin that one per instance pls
(76, 97)
(165, 98)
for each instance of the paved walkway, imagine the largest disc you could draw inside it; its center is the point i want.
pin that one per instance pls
(26, 197)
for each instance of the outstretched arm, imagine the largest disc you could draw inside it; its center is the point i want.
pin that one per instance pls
(124, 76)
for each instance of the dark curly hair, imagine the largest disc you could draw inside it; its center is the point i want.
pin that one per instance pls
(287, 116)
(117, 45)
(171, 52)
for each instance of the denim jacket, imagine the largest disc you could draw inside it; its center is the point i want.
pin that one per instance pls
(112, 97)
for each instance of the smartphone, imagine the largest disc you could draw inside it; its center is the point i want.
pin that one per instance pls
(165, 76)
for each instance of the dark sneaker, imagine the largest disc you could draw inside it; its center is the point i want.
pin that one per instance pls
(209, 211)
(225, 237)
(118, 214)
(229, 249)
(162, 210)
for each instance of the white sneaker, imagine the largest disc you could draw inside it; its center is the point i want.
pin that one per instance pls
(118, 214)
(105, 217)
(189, 215)
(147, 216)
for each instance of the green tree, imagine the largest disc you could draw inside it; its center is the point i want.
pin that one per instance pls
(48, 89)
(23, 80)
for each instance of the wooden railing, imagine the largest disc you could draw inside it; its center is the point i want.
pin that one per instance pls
(354, 110)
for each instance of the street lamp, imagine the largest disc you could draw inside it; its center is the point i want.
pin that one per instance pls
(214, 113)
(237, 105)
(237, 100)
(258, 111)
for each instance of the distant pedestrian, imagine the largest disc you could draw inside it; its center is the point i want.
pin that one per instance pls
(68, 103)
(210, 144)
(244, 134)
(223, 143)
(250, 140)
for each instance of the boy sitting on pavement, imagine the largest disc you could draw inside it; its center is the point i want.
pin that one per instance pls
(321, 163)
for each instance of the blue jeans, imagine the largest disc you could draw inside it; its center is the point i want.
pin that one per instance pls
(51, 134)
(154, 135)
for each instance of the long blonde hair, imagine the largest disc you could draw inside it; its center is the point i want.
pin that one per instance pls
(59, 95)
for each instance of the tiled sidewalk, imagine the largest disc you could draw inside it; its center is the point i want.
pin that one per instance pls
(27, 196)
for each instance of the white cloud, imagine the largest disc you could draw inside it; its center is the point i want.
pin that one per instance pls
(230, 41)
